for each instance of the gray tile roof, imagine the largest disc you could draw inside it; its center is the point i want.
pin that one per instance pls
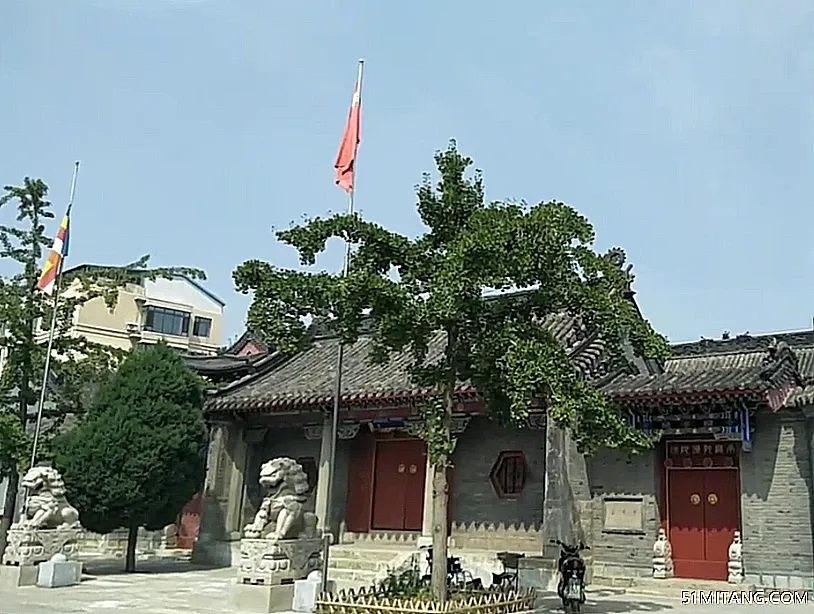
(206, 365)
(737, 366)
(308, 379)
(228, 364)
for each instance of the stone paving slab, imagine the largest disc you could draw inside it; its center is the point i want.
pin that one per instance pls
(177, 587)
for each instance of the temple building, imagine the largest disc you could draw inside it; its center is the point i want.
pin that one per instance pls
(733, 420)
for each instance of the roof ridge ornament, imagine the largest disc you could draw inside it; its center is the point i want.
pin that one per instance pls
(617, 257)
(781, 365)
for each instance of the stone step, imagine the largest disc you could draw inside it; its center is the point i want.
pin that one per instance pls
(367, 553)
(356, 564)
(356, 575)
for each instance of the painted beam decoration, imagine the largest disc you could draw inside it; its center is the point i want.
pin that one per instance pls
(722, 422)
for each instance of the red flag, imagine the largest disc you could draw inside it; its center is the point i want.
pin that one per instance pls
(346, 158)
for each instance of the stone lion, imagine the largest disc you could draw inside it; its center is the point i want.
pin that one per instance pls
(281, 514)
(46, 506)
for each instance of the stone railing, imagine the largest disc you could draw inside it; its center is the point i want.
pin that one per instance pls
(114, 544)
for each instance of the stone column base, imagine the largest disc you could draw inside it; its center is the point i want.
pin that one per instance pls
(12, 576)
(274, 562)
(260, 598)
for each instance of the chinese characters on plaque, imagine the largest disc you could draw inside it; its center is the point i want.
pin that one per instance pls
(701, 455)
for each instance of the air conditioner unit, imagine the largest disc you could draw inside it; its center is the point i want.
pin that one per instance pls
(133, 329)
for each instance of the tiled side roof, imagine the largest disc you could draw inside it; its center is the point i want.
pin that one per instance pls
(308, 379)
(244, 339)
(730, 367)
(206, 365)
(230, 363)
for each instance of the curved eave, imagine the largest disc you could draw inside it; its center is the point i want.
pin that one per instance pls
(354, 401)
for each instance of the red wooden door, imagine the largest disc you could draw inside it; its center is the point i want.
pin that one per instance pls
(389, 485)
(704, 515)
(414, 452)
(721, 513)
(686, 521)
(398, 485)
(360, 482)
(188, 524)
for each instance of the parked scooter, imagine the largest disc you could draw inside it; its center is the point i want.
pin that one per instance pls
(571, 586)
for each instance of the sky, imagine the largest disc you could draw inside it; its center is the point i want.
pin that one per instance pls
(683, 129)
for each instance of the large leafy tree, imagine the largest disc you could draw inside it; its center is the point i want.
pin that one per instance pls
(139, 454)
(79, 366)
(416, 288)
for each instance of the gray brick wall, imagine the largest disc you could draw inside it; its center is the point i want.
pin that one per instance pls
(473, 498)
(776, 500)
(613, 474)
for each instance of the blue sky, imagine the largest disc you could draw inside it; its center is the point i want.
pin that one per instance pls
(683, 129)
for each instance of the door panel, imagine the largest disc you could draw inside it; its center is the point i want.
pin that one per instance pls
(686, 492)
(414, 491)
(721, 511)
(360, 482)
(704, 508)
(188, 523)
(389, 485)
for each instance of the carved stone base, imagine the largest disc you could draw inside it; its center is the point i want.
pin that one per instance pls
(32, 546)
(268, 562)
(253, 598)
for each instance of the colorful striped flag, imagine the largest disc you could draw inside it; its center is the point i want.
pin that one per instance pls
(59, 252)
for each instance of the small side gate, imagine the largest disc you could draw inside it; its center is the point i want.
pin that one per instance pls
(188, 523)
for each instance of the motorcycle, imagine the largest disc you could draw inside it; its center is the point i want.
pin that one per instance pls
(571, 586)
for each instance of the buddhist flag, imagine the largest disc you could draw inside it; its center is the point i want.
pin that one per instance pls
(59, 252)
(346, 158)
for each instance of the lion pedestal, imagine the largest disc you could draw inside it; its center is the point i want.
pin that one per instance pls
(281, 545)
(49, 526)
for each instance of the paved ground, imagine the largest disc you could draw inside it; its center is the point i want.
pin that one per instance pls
(173, 587)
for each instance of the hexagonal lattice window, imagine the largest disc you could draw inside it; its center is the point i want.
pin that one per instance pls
(509, 474)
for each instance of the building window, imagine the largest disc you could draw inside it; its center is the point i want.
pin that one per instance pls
(509, 474)
(309, 465)
(167, 321)
(201, 327)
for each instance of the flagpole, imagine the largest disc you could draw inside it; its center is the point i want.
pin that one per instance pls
(340, 358)
(51, 333)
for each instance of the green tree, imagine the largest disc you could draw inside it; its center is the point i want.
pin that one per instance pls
(139, 454)
(416, 288)
(78, 366)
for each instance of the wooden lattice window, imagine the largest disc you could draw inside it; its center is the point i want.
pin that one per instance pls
(309, 465)
(509, 474)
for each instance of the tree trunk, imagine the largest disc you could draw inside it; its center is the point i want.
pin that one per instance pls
(440, 508)
(130, 559)
(9, 508)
